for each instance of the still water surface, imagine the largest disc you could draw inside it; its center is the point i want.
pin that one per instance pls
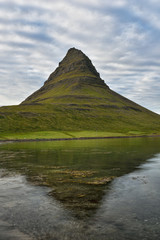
(98, 189)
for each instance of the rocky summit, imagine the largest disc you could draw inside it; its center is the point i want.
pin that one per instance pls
(75, 98)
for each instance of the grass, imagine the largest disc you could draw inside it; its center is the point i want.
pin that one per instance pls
(56, 135)
(34, 135)
(64, 135)
(63, 120)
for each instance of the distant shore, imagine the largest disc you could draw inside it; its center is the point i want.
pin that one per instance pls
(72, 139)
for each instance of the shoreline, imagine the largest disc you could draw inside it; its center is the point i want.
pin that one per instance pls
(72, 139)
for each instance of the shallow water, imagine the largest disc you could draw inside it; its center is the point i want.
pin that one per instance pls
(60, 190)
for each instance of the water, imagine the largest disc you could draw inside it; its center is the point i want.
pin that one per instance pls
(98, 189)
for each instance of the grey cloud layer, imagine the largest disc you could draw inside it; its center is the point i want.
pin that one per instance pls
(121, 37)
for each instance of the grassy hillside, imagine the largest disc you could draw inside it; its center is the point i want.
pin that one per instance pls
(46, 117)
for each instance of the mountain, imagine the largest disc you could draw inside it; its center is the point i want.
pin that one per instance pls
(69, 82)
(75, 98)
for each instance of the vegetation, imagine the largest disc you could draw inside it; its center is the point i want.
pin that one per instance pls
(75, 102)
(57, 135)
(46, 121)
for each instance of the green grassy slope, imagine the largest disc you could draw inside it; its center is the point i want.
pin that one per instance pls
(61, 117)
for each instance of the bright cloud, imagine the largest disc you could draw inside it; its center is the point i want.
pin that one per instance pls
(121, 38)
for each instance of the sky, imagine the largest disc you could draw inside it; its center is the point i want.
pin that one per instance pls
(121, 37)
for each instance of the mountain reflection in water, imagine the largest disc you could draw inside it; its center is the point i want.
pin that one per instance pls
(102, 189)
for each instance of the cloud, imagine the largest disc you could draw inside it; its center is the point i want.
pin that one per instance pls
(121, 38)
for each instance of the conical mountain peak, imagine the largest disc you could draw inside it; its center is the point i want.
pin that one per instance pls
(74, 52)
(73, 76)
(76, 59)
(75, 63)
